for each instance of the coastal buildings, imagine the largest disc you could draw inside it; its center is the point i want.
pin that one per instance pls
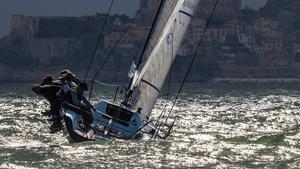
(54, 27)
(226, 9)
(243, 37)
(134, 37)
(239, 42)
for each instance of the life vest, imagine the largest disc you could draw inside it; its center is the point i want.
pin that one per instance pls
(70, 94)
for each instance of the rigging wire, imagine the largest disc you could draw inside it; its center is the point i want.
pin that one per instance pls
(159, 123)
(98, 40)
(191, 64)
(113, 49)
(145, 44)
(103, 83)
(138, 53)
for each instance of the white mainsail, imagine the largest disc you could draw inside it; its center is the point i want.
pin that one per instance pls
(172, 23)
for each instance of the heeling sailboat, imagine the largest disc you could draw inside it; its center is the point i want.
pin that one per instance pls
(130, 118)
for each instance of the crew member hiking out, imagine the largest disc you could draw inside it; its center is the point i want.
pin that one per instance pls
(73, 98)
(49, 92)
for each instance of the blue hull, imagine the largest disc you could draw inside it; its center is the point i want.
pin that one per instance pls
(109, 121)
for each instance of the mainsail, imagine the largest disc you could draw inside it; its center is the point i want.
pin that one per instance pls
(173, 20)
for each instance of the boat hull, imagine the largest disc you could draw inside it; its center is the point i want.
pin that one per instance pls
(109, 121)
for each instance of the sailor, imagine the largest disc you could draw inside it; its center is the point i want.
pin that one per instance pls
(49, 92)
(137, 118)
(73, 98)
(66, 72)
(48, 80)
(139, 110)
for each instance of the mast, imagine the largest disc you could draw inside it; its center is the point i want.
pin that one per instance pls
(168, 31)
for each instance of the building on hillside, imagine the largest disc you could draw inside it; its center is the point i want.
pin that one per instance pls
(276, 49)
(275, 58)
(133, 38)
(25, 26)
(248, 40)
(226, 9)
(54, 27)
(265, 25)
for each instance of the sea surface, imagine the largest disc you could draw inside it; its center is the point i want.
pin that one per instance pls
(219, 125)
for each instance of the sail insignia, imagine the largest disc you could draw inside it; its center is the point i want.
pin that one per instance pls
(132, 70)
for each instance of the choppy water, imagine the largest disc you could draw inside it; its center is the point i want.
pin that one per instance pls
(219, 126)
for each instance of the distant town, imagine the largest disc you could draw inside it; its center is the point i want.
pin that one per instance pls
(240, 43)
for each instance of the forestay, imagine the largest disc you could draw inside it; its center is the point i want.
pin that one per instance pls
(173, 21)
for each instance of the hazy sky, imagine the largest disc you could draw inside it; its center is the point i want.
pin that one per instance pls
(72, 8)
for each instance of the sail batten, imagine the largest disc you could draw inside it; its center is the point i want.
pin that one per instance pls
(174, 18)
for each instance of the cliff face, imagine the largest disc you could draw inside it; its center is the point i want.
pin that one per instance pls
(48, 51)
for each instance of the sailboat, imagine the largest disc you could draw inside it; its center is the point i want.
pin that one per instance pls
(131, 118)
